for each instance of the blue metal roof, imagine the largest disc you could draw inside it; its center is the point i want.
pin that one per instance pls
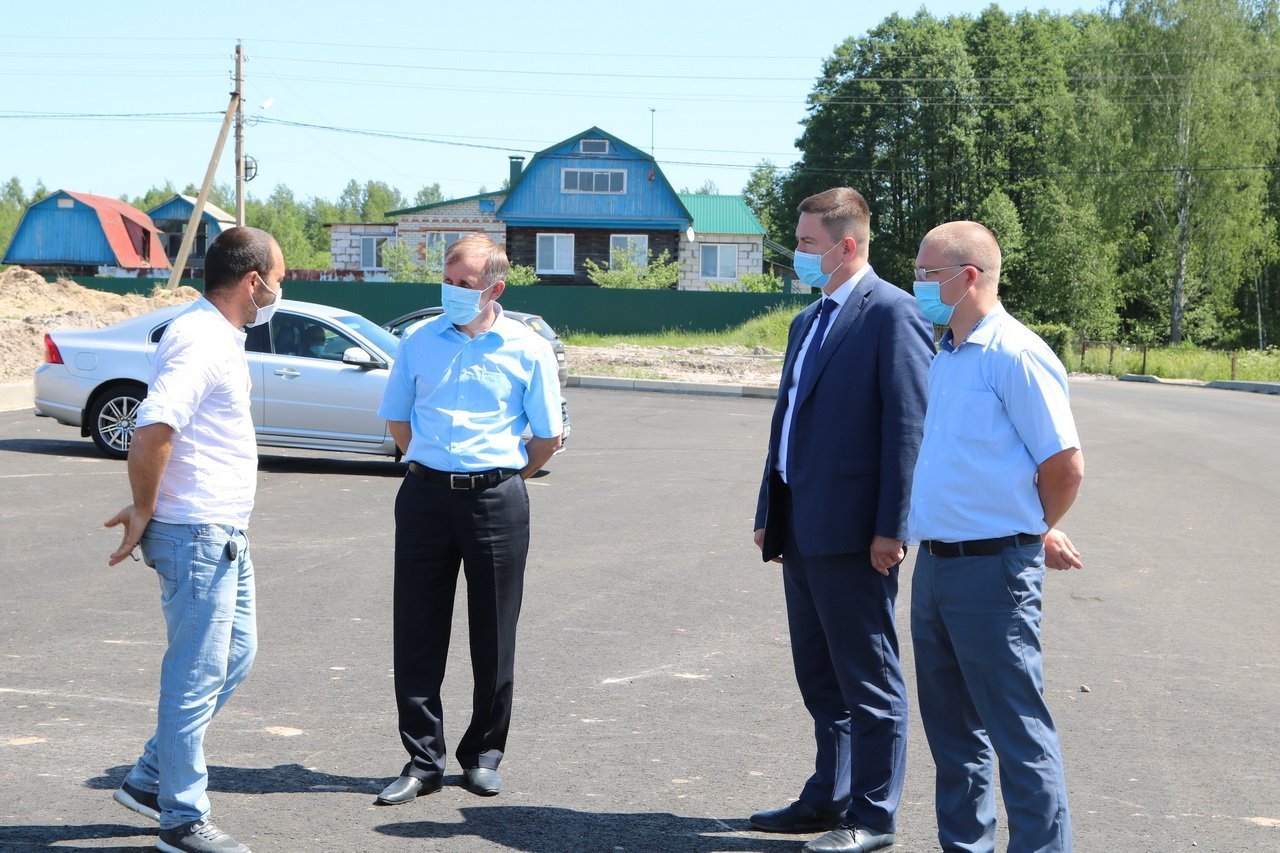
(644, 199)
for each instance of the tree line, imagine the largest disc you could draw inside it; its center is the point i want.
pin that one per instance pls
(1125, 159)
(298, 224)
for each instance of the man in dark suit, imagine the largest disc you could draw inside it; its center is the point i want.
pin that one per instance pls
(833, 510)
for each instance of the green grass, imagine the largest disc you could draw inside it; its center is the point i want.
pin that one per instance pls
(770, 331)
(1178, 363)
(767, 330)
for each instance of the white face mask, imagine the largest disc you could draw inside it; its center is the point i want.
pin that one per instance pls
(265, 312)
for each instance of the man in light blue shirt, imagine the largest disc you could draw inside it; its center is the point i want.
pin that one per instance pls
(464, 387)
(999, 467)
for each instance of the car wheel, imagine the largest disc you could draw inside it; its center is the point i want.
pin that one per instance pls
(112, 416)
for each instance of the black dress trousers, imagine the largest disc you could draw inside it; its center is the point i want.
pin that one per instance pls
(437, 529)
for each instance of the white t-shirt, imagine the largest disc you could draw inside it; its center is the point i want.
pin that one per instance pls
(200, 387)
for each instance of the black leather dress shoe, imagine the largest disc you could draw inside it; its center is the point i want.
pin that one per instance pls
(405, 789)
(850, 839)
(796, 818)
(482, 781)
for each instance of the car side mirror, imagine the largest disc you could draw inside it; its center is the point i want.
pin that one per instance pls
(358, 357)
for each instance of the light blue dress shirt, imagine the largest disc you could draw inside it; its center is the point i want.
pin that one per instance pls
(468, 400)
(998, 407)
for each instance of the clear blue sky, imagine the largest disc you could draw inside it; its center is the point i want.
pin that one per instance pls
(726, 82)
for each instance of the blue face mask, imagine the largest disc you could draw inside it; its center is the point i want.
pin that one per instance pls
(808, 267)
(461, 304)
(929, 297)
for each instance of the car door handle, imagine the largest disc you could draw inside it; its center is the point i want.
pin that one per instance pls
(287, 372)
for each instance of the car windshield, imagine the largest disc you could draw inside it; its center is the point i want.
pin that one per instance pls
(383, 339)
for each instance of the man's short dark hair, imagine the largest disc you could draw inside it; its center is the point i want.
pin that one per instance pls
(234, 254)
(843, 212)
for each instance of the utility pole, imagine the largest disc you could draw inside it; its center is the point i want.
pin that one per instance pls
(193, 224)
(238, 94)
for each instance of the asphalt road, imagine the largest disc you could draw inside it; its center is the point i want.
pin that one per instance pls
(655, 705)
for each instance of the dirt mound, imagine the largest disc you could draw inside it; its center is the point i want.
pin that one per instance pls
(715, 364)
(31, 306)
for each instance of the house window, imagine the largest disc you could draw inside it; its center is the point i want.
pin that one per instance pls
(719, 260)
(371, 252)
(632, 247)
(594, 181)
(438, 243)
(555, 254)
(594, 146)
(66, 202)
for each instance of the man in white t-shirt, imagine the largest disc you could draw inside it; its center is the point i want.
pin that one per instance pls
(192, 469)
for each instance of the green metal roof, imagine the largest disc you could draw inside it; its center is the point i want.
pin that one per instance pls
(444, 203)
(720, 214)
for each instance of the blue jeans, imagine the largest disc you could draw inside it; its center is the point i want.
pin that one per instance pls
(208, 601)
(975, 627)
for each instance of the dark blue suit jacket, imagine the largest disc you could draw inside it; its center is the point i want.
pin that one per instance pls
(857, 426)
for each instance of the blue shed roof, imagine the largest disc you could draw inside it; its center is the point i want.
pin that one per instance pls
(636, 193)
(180, 206)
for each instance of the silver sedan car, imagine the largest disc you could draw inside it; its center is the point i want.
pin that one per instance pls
(318, 375)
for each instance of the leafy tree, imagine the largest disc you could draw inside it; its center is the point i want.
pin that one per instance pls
(624, 272)
(428, 195)
(763, 194)
(756, 282)
(520, 275)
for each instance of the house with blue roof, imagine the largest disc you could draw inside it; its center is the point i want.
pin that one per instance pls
(590, 196)
(171, 217)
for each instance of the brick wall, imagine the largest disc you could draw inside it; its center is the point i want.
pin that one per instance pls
(344, 241)
(750, 259)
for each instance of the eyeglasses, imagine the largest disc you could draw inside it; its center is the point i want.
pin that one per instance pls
(921, 273)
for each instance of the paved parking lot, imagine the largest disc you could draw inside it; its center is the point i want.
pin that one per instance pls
(655, 706)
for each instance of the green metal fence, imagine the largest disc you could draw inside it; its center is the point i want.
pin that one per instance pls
(567, 309)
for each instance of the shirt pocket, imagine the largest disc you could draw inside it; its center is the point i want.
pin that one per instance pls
(979, 417)
(494, 385)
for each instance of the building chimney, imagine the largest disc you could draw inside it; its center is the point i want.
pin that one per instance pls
(517, 165)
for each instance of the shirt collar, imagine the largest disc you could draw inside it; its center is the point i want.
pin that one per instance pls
(841, 296)
(498, 328)
(981, 333)
(203, 304)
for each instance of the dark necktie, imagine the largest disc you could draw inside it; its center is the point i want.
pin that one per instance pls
(811, 354)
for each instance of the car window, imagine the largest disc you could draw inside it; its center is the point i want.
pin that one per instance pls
(322, 341)
(380, 337)
(258, 340)
(286, 333)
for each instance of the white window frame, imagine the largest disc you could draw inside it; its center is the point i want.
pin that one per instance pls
(639, 249)
(611, 172)
(719, 247)
(582, 145)
(385, 238)
(557, 241)
(446, 239)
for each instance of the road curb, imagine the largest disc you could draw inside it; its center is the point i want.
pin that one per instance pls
(17, 395)
(618, 383)
(1254, 387)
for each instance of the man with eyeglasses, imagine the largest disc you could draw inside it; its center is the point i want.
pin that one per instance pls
(193, 464)
(999, 467)
(833, 511)
(464, 387)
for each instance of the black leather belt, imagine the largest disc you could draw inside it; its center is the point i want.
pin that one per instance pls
(978, 547)
(462, 482)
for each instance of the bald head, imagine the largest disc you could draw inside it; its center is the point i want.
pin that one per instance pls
(964, 242)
